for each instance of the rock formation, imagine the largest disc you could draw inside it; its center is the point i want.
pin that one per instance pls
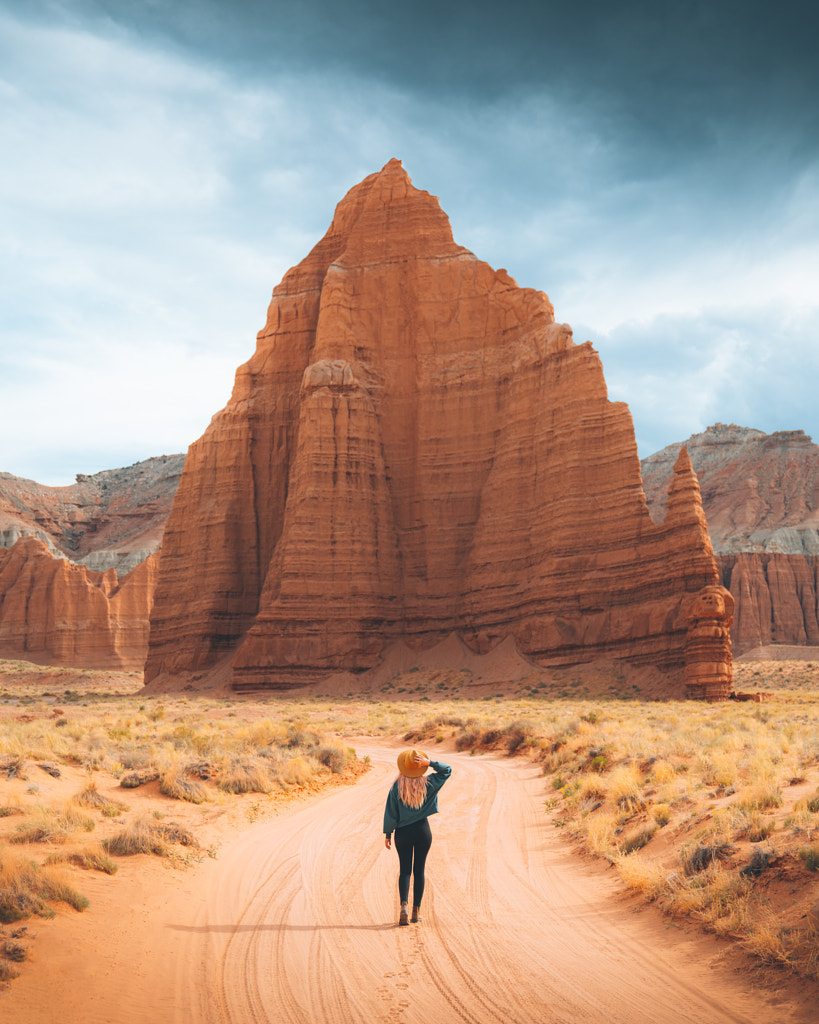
(111, 520)
(56, 613)
(776, 598)
(760, 493)
(54, 608)
(417, 449)
(709, 671)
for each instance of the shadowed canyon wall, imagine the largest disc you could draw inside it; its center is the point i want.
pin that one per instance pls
(417, 449)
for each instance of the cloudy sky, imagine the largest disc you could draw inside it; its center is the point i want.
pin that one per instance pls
(653, 166)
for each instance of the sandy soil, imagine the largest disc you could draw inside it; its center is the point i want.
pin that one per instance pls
(296, 922)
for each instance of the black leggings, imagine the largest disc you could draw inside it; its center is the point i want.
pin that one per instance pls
(412, 841)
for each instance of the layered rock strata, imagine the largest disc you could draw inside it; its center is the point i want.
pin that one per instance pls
(776, 598)
(111, 520)
(417, 449)
(53, 612)
(760, 493)
(709, 667)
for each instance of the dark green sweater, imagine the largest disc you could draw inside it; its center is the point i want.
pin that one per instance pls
(397, 814)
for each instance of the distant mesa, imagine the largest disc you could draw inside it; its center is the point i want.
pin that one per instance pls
(417, 450)
(761, 497)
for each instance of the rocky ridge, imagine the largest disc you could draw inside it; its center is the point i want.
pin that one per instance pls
(417, 449)
(111, 520)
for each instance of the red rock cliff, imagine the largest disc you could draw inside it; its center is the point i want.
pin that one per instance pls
(761, 498)
(56, 613)
(417, 448)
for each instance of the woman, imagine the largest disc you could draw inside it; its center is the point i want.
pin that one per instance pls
(410, 802)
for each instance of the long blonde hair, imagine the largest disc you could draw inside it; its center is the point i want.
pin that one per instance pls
(412, 792)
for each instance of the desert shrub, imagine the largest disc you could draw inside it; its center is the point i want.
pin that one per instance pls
(661, 813)
(700, 856)
(812, 803)
(809, 855)
(175, 784)
(7, 972)
(663, 772)
(145, 836)
(753, 826)
(518, 735)
(625, 790)
(26, 889)
(334, 758)
(645, 877)
(600, 831)
(760, 859)
(245, 775)
(15, 951)
(761, 798)
(591, 787)
(267, 733)
(52, 824)
(299, 735)
(91, 797)
(93, 858)
(296, 772)
(637, 840)
(469, 739)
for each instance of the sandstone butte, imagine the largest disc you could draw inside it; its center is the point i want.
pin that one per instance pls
(761, 495)
(417, 449)
(78, 564)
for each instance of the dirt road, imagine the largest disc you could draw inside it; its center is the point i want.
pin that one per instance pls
(296, 922)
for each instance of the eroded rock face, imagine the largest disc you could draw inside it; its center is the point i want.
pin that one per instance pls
(417, 449)
(54, 612)
(760, 493)
(709, 669)
(776, 598)
(111, 520)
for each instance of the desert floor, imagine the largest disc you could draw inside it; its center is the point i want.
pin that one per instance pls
(295, 920)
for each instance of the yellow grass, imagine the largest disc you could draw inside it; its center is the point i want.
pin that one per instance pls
(633, 781)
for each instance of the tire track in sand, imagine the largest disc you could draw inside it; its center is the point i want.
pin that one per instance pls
(515, 930)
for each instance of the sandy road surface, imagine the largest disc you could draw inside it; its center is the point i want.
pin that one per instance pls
(296, 922)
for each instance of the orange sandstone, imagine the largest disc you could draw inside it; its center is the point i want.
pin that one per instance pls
(57, 613)
(417, 449)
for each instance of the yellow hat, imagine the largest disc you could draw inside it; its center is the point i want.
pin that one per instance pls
(407, 765)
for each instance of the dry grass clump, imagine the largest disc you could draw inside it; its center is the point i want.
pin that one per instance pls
(90, 796)
(91, 858)
(246, 775)
(334, 757)
(176, 784)
(700, 856)
(514, 737)
(809, 855)
(141, 835)
(27, 889)
(761, 798)
(52, 824)
(637, 839)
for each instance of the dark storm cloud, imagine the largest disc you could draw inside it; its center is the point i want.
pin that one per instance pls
(677, 73)
(652, 166)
